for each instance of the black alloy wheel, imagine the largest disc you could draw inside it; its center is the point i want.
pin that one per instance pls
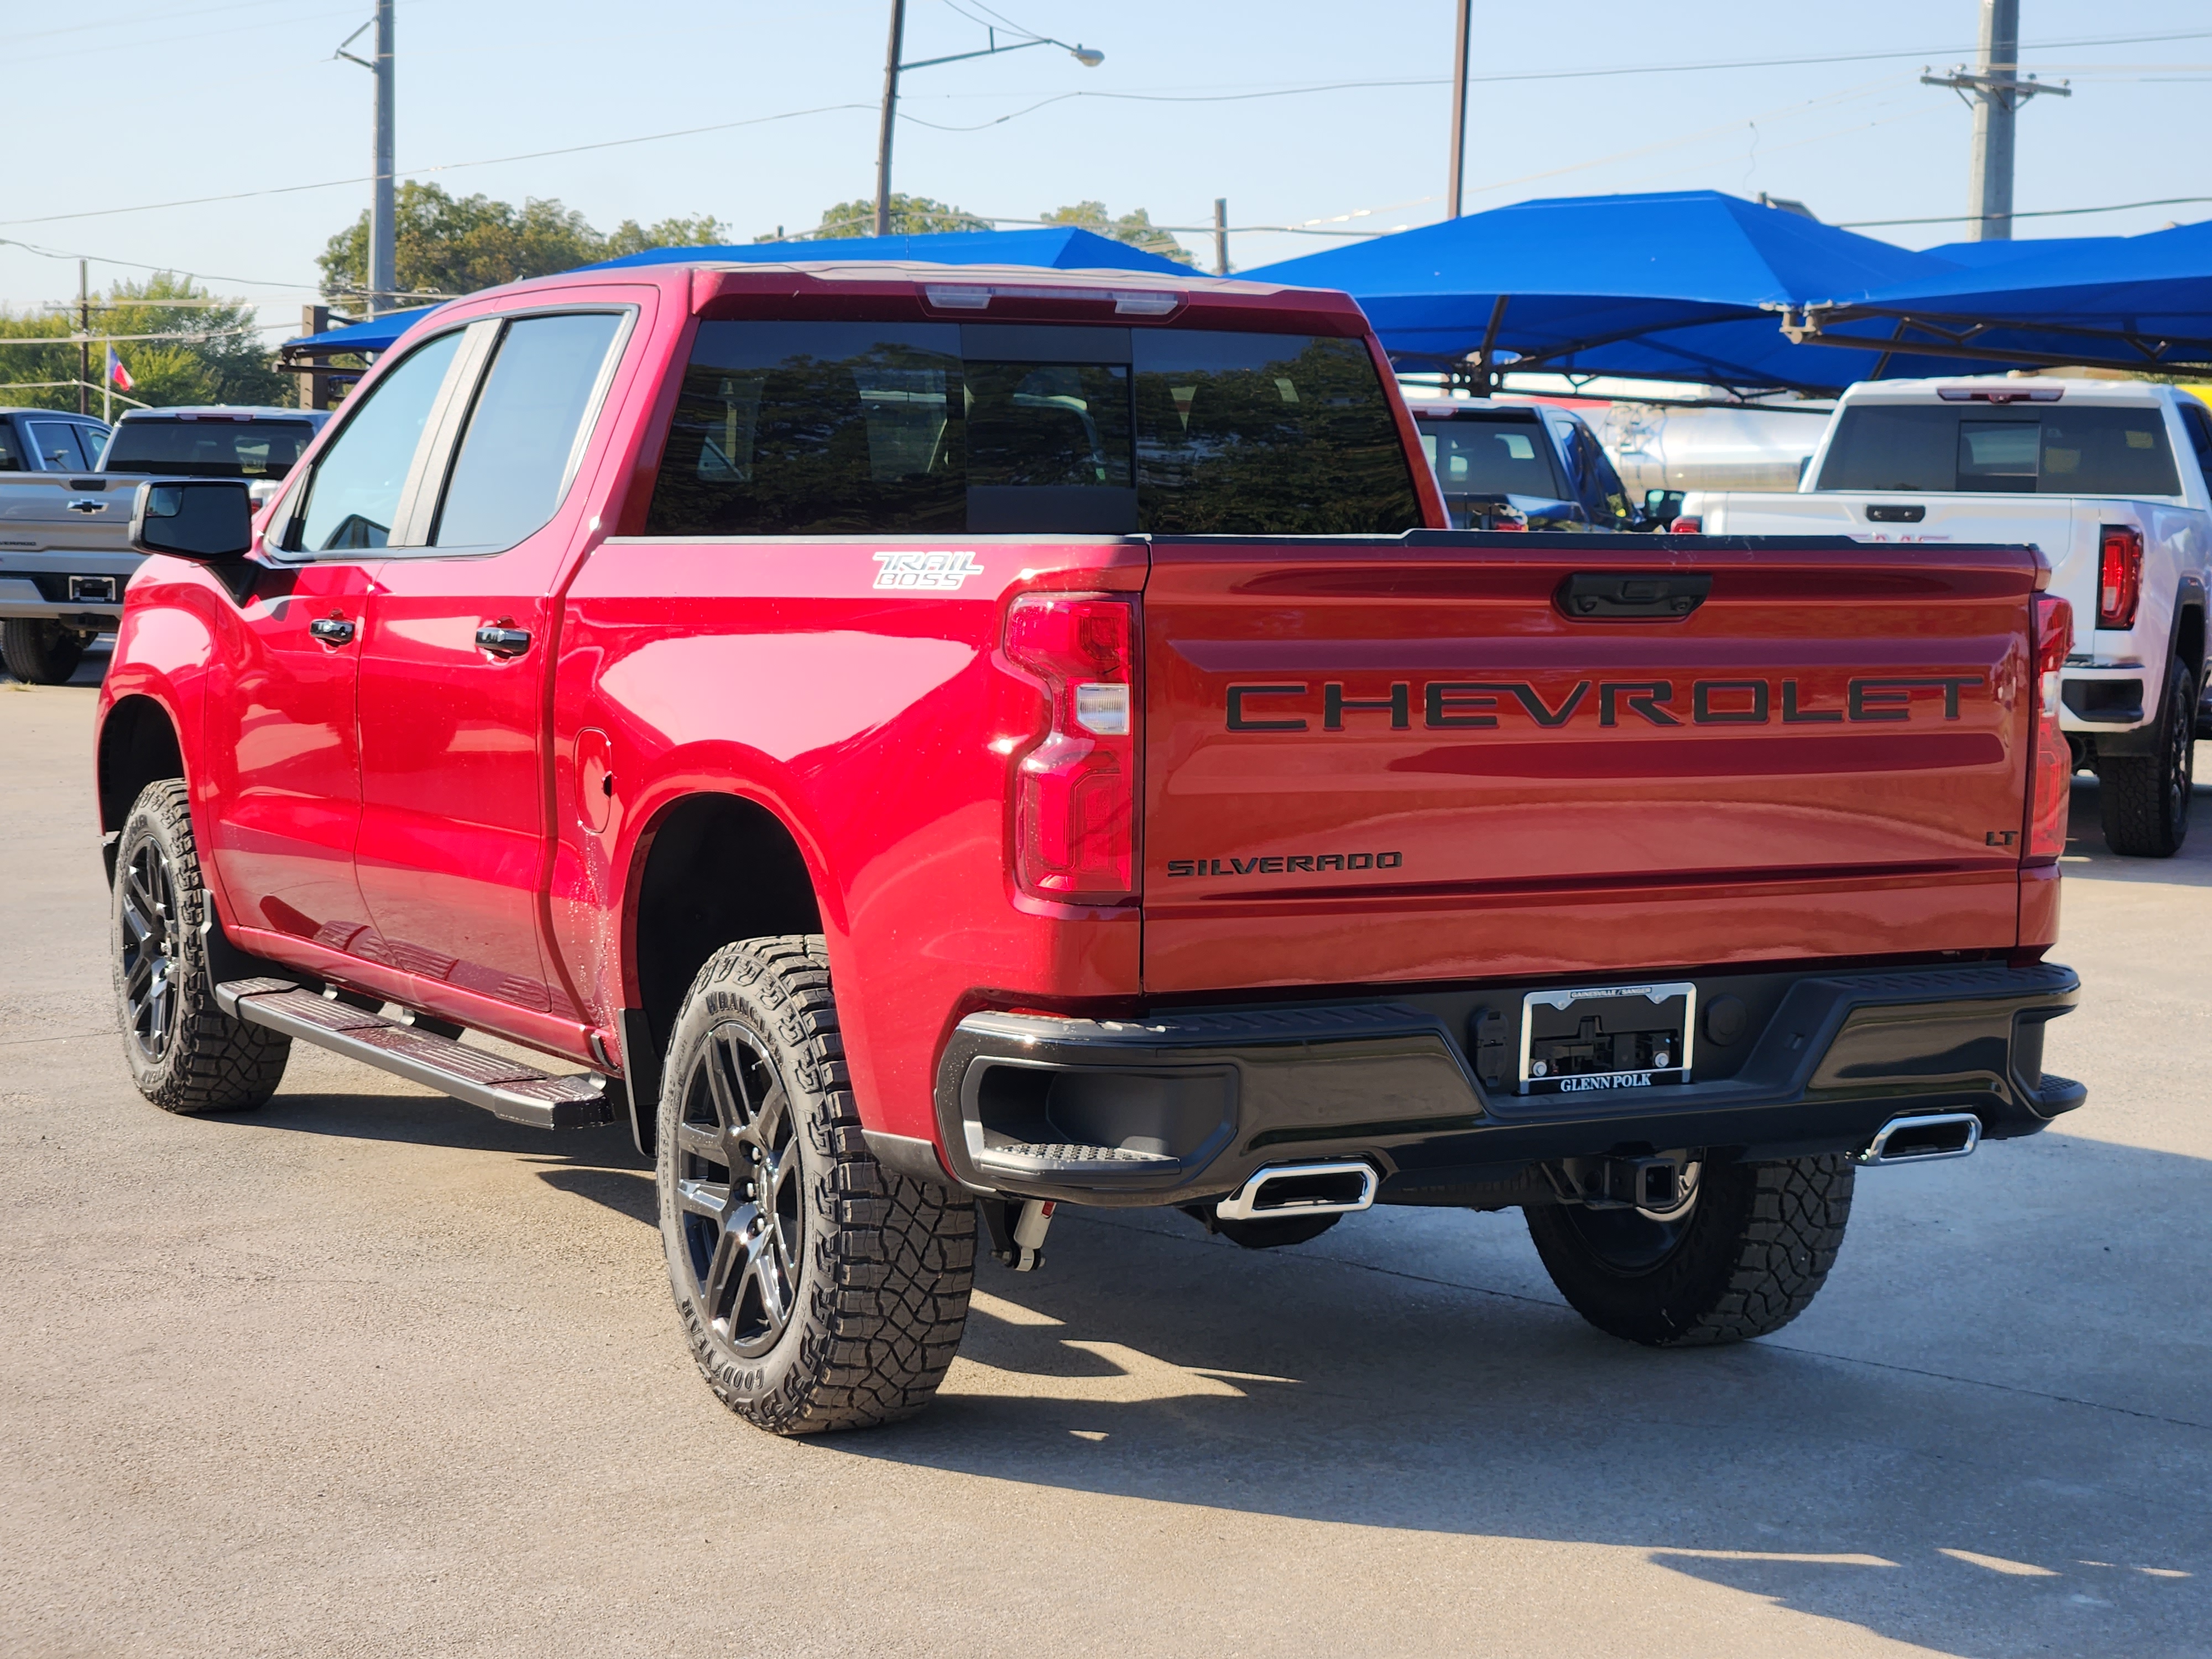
(150, 951)
(2144, 799)
(739, 1191)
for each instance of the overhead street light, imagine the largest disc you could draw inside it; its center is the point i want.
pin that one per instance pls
(1089, 57)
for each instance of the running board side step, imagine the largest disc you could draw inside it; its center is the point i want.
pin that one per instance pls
(503, 1087)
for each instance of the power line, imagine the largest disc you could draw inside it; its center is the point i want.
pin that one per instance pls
(2042, 213)
(445, 167)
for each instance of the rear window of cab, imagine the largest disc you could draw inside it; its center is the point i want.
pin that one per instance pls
(2086, 450)
(830, 428)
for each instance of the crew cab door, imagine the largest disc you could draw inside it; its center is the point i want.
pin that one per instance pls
(281, 747)
(452, 850)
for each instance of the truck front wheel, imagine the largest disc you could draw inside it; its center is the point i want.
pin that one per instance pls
(818, 1289)
(2145, 798)
(40, 652)
(186, 1054)
(1744, 1257)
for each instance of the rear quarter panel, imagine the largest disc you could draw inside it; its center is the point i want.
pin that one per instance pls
(880, 726)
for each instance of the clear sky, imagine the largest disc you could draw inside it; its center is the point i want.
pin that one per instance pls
(153, 104)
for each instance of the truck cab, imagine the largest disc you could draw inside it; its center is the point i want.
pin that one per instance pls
(1510, 465)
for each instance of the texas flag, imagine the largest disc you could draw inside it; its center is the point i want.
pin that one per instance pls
(118, 376)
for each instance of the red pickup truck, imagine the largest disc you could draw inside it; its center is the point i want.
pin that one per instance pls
(932, 744)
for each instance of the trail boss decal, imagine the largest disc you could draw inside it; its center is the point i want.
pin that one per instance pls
(932, 572)
(1475, 705)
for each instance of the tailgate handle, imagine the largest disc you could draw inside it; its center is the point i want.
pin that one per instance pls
(1899, 512)
(1604, 597)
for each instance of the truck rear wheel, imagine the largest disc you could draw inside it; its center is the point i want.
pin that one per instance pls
(186, 1054)
(1743, 1258)
(2145, 798)
(41, 652)
(818, 1289)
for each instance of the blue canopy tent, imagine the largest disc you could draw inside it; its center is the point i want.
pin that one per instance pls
(1057, 247)
(2140, 303)
(1680, 286)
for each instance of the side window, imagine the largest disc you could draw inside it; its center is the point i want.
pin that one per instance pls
(353, 495)
(527, 430)
(11, 457)
(94, 439)
(58, 446)
(2196, 421)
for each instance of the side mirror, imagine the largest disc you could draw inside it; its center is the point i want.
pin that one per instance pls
(205, 520)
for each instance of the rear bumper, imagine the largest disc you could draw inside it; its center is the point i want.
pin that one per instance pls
(46, 595)
(1185, 1105)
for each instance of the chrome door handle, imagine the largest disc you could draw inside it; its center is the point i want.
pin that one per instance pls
(503, 642)
(331, 630)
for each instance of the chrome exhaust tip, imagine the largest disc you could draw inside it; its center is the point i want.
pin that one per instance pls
(1920, 1139)
(1282, 1189)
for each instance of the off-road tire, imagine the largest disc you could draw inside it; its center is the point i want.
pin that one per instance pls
(884, 1262)
(41, 652)
(1750, 1257)
(2145, 798)
(204, 1061)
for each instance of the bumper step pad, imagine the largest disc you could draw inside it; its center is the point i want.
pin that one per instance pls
(503, 1087)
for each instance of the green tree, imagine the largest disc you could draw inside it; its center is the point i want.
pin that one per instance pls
(911, 215)
(205, 349)
(1135, 228)
(447, 245)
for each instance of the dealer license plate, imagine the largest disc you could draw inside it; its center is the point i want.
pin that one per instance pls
(1613, 1037)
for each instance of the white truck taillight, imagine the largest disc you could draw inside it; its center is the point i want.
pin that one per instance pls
(2052, 786)
(2119, 574)
(1075, 792)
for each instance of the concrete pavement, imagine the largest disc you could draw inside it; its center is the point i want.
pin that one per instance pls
(368, 1372)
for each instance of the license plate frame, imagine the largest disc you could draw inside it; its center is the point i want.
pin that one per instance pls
(1623, 1000)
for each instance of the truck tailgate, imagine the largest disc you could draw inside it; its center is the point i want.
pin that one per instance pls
(1419, 758)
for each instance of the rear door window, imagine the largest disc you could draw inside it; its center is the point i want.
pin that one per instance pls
(58, 448)
(829, 428)
(527, 430)
(2087, 450)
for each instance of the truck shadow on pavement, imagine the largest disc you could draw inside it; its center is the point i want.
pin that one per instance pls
(1852, 1469)
(597, 1164)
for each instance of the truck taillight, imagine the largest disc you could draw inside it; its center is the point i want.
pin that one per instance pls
(2119, 574)
(2053, 782)
(1686, 526)
(1075, 792)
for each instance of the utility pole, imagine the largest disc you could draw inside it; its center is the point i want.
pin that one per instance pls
(83, 343)
(383, 231)
(313, 388)
(1459, 106)
(1995, 91)
(891, 114)
(1221, 235)
(383, 234)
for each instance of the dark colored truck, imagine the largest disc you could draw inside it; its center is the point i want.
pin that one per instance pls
(927, 745)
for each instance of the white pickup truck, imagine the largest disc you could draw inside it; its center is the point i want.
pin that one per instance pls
(2107, 477)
